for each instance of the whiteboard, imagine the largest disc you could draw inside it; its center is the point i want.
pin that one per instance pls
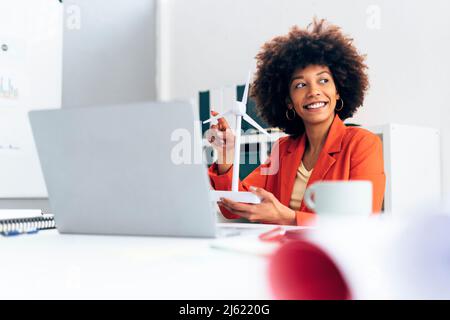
(30, 78)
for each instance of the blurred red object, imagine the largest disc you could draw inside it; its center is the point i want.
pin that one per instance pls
(300, 270)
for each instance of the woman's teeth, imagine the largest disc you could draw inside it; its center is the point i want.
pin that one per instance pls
(315, 105)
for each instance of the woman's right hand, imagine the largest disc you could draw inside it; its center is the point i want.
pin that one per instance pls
(221, 138)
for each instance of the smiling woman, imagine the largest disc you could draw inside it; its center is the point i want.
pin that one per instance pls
(307, 83)
(285, 61)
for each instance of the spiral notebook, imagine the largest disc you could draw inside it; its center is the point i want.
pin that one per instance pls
(25, 221)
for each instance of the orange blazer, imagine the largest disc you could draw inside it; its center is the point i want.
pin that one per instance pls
(349, 153)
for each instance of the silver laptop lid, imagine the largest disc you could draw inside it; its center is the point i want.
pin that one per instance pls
(124, 170)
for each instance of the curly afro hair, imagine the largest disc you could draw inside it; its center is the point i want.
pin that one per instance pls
(319, 44)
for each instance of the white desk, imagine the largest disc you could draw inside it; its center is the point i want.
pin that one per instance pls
(49, 265)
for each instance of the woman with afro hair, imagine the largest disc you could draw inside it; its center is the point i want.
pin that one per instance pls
(307, 82)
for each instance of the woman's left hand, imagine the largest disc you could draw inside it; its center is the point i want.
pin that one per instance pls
(270, 210)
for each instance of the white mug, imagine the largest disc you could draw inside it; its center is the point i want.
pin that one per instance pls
(340, 198)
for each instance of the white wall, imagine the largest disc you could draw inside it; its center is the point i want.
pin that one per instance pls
(209, 44)
(109, 52)
(31, 65)
(32, 31)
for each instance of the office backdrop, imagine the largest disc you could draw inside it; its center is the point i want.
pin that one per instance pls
(209, 44)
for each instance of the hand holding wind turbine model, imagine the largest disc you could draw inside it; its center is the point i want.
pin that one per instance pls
(238, 109)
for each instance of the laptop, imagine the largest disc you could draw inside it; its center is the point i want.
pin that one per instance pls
(126, 169)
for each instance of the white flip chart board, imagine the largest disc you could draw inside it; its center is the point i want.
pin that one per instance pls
(30, 78)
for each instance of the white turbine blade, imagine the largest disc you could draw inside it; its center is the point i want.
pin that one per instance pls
(247, 85)
(255, 124)
(217, 117)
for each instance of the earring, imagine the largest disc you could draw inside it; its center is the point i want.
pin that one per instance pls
(342, 105)
(287, 114)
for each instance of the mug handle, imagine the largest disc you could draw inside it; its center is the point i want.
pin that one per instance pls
(307, 197)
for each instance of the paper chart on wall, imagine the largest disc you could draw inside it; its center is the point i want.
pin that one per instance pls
(30, 78)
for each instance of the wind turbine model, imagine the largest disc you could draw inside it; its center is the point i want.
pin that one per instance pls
(239, 110)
